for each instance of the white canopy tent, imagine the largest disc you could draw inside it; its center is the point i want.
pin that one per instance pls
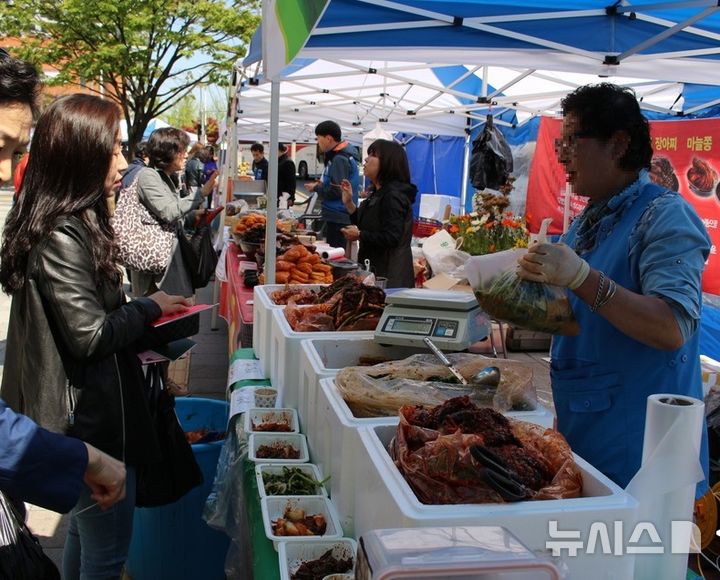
(526, 41)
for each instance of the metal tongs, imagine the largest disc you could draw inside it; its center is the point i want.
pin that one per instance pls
(499, 477)
(444, 360)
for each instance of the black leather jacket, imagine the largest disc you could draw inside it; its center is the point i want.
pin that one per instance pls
(70, 363)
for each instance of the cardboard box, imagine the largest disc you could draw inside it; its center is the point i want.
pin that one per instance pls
(446, 282)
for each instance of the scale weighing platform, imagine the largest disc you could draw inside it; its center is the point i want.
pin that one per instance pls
(452, 319)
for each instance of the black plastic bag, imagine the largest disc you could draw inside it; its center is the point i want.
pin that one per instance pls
(199, 255)
(167, 480)
(21, 556)
(491, 162)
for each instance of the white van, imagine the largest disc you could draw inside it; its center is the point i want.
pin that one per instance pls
(308, 159)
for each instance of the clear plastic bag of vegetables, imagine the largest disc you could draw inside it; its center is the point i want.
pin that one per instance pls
(505, 296)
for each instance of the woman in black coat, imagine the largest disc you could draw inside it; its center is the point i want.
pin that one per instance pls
(383, 222)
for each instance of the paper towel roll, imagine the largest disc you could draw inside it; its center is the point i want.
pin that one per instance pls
(665, 484)
(333, 253)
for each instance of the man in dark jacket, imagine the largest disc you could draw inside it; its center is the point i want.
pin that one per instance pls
(286, 175)
(259, 164)
(341, 162)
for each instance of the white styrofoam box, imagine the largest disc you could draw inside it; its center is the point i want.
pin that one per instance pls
(292, 555)
(259, 416)
(385, 500)
(297, 440)
(322, 357)
(262, 321)
(308, 469)
(335, 444)
(285, 360)
(432, 205)
(274, 507)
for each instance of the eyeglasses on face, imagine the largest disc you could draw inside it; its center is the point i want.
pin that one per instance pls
(568, 143)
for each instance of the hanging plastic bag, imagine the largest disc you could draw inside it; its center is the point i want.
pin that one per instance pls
(491, 162)
(21, 556)
(505, 296)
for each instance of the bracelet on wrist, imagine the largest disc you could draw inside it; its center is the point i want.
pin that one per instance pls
(600, 292)
(612, 288)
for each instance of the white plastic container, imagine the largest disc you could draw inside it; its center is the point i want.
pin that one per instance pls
(263, 305)
(334, 443)
(477, 552)
(322, 357)
(259, 416)
(273, 508)
(292, 554)
(385, 500)
(276, 468)
(285, 360)
(297, 440)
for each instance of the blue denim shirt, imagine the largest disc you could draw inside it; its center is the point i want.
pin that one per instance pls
(663, 248)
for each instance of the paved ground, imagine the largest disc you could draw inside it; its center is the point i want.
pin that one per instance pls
(207, 377)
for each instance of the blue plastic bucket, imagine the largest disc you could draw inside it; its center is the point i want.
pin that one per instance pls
(173, 542)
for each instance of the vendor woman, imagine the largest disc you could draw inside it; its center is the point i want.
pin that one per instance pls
(632, 262)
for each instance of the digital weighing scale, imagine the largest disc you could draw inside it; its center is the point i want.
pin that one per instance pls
(453, 320)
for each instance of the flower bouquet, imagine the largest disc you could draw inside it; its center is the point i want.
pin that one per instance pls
(490, 228)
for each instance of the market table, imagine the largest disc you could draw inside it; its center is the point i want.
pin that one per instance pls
(236, 302)
(264, 557)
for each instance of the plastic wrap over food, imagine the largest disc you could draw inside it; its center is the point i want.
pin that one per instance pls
(380, 390)
(432, 451)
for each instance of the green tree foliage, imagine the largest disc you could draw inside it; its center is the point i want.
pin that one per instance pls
(183, 113)
(146, 54)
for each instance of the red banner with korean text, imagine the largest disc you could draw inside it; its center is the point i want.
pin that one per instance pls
(686, 159)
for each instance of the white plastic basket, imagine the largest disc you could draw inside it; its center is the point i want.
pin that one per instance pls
(334, 443)
(263, 305)
(297, 440)
(321, 358)
(273, 507)
(285, 360)
(292, 554)
(259, 416)
(275, 468)
(385, 500)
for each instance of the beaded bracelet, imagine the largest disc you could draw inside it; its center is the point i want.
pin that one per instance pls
(612, 288)
(600, 292)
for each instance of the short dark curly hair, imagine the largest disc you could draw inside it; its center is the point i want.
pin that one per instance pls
(604, 109)
(19, 83)
(164, 145)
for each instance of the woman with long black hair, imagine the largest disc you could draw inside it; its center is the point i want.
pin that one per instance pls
(70, 362)
(383, 222)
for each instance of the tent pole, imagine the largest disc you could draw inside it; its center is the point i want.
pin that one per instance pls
(271, 193)
(466, 172)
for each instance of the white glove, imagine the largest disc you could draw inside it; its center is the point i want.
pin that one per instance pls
(555, 264)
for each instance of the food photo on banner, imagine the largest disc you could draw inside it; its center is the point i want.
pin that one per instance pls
(686, 159)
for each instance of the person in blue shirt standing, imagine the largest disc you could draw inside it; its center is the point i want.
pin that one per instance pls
(633, 262)
(341, 162)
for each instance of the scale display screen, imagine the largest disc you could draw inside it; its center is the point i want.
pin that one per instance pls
(404, 325)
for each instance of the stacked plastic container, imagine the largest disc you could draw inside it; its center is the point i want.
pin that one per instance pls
(263, 305)
(284, 353)
(324, 357)
(385, 500)
(293, 550)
